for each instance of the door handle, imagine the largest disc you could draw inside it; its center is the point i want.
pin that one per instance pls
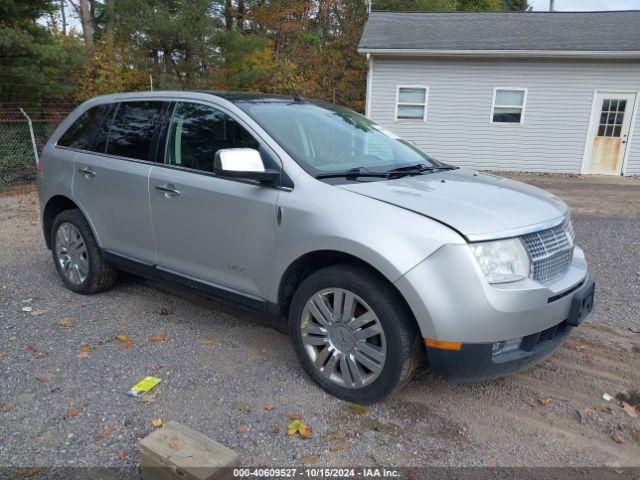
(87, 172)
(169, 190)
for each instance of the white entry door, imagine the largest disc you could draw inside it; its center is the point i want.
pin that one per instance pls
(610, 132)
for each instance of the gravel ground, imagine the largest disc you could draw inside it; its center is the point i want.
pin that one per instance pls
(232, 375)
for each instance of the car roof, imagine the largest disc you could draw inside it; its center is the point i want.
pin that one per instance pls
(236, 97)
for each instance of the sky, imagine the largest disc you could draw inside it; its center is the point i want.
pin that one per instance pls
(586, 5)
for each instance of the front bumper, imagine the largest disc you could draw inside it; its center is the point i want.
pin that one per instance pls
(452, 301)
(476, 362)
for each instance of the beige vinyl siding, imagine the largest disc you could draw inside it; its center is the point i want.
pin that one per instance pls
(458, 128)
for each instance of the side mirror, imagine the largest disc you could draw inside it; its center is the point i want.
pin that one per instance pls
(242, 163)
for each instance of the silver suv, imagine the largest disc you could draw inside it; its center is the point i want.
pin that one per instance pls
(379, 255)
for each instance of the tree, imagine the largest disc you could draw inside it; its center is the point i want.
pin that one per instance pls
(516, 5)
(35, 62)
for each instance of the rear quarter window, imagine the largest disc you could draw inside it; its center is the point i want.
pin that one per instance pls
(80, 134)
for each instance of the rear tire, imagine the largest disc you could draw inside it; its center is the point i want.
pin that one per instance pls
(362, 353)
(77, 257)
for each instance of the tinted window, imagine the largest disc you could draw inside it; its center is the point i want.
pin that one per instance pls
(132, 129)
(80, 133)
(198, 132)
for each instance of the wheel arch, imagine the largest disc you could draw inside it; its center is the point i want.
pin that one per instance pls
(313, 261)
(54, 206)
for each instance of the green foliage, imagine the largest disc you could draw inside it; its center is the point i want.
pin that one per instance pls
(35, 62)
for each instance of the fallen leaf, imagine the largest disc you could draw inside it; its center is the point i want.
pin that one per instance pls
(269, 406)
(104, 433)
(358, 409)
(158, 338)
(157, 366)
(243, 428)
(3, 354)
(29, 472)
(635, 433)
(544, 400)
(36, 297)
(157, 422)
(82, 355)
(308, 459)
(126, 341)
(338, 447)
(298, 426)
(337, 435)
(37, 313)
(605, 409)
(72, 412)
(12, 338)
(294, 416)
(616, 437)
(208, 341)
(41, 378)
(241, 407)
(383, 428)
(122, 456)
(29, 348)
(588, 410)
(7, 407)
(164, 311)
(66, 322)
(42, 355)
(84, 348)
(276, 427)
(629, 409)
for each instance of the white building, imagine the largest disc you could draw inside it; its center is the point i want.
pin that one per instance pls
(545, 92)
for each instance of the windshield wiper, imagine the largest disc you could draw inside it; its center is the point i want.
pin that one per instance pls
(418, 169)
(353, 174)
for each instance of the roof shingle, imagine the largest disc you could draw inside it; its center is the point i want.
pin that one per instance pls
(527, 31)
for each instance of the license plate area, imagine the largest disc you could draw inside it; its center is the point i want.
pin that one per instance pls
(582, 304)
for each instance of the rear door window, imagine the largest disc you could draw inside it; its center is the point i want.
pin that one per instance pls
(80, 134)
(133, 128)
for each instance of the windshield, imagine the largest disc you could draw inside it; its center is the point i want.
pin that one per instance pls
(328, 138)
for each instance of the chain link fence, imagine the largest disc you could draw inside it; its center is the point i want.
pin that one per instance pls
(17, 159)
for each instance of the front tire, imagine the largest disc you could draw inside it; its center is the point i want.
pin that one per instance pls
(353, 334)
(76, 255)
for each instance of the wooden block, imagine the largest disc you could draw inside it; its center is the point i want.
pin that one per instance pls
(175, 451)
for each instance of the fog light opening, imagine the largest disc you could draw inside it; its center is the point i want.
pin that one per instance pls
(506, 346)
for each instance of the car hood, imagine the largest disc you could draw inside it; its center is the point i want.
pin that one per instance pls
(478, 205)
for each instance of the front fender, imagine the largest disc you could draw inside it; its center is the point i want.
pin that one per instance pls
(390, 239)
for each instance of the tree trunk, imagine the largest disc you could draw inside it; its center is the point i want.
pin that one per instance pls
(87, 26)
(228, 14)
(240, 16)
(109, 33)
(63, 14)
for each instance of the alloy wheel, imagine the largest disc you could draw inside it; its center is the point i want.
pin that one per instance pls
(343, 337)
(71, 252)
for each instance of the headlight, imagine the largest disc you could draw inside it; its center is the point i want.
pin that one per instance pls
(502, 261)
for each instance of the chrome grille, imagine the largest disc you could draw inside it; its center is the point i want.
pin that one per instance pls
(550, 250)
